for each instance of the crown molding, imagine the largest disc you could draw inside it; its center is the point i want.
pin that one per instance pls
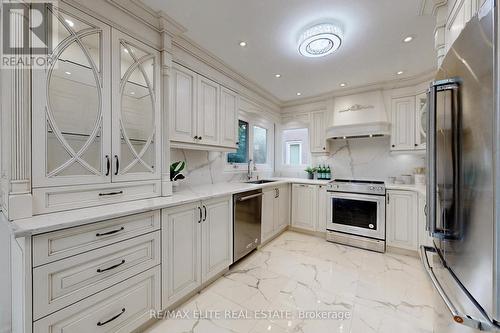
(381, 85)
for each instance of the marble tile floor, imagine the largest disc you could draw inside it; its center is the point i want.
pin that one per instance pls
(297, 275)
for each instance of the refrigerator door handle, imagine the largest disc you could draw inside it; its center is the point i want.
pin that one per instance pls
(457, 316)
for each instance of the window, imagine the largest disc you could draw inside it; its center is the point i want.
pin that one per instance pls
(293, 153)
(241, 155)
(296, 147)
(259, 145)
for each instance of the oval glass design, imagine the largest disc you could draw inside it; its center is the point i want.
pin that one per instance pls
(73, 111)
(137, 123)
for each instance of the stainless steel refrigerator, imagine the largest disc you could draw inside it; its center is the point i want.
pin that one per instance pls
(463, 192)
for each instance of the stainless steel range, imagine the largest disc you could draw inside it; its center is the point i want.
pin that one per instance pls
(356, 213)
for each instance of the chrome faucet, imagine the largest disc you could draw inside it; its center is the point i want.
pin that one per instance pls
(249, 170)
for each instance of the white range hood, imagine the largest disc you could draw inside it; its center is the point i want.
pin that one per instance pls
(359, 116)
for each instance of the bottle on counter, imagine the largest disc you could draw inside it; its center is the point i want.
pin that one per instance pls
(328, 173)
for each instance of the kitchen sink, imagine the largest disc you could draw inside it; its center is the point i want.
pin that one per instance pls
(262, 181)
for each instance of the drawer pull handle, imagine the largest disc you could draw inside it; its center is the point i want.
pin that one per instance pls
(110, 193)
(111, 319)
(111, 267)
(109, 232)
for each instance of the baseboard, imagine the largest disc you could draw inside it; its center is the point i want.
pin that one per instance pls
(404, 252)
(308, 232)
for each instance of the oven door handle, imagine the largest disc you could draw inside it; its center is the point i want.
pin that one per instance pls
(359, 197)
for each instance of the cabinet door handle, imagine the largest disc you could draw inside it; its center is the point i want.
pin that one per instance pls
(388, 199)
(110, 267)
(108, 165)
(110, 193)
(111, 319)
(117, 165)
(109, 232)
(201, 215)
(205, 209)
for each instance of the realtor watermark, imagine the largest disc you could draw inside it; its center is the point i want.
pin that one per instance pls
(27, 33)
(250, 315)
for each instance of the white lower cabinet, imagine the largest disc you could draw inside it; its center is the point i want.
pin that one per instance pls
(123, 307)
(304, 206)
(275, 211)
(322, 208)
(197, 245)
(402, 216)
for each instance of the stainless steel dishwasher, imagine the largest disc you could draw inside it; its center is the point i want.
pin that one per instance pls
(247, 208)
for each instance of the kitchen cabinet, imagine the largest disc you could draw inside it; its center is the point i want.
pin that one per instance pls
(319, 144)
(197, 245)
(402, 219)
(228, 117)
(403, 123)
(322, 208)
(204, 114)
(208, 112)
(96, 116)
(304, 206)
(423, 235)
(275, 211)
(421, 121)
(183, 114)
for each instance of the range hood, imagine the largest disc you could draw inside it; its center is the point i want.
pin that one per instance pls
(359, 116)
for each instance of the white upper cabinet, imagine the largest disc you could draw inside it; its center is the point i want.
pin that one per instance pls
(208, 112)
(403, 123)
(96, 124)
(228, 117)
(136, 110)
(421, 121)
(204, 114)
(319, 143)
(72, 106)
(183, 114)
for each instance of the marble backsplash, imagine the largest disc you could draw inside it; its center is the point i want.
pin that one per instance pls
(368, 158)
(365, 158)
(205, 167)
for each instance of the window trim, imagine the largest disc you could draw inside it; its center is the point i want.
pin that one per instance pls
(280, 162)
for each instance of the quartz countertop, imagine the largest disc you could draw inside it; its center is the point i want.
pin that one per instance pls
(72, 218)
(420, 189)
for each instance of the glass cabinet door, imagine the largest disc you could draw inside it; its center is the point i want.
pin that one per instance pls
(421, 121)
(71, 108)
(136, 123)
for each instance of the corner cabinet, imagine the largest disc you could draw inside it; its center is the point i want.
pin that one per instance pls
(204, 114)
(275, 211)
(95, 118)
(197, 246)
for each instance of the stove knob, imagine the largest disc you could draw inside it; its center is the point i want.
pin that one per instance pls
(371, 188)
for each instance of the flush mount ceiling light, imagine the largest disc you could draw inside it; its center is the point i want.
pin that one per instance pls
(320, 40)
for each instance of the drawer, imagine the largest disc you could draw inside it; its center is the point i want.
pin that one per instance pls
(56, 199)
(67, 281)
(64, 243)
(122, 308)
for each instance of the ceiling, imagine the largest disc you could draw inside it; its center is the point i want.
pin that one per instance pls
(372, 49)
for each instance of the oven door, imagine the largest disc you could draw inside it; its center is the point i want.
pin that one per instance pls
(357, 214)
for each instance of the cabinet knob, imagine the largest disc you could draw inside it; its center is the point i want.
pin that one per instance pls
(199, 138)
(416, 145)
(196, 137)
(393, 146)
(324, 148)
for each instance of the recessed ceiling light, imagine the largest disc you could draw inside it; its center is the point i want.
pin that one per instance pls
(67, 73)
(320, 40)
(408, 39)
(399, 73)
(299, 94)
(70, 23)
(132, 93)
(243, 43)
(277, 75)
(343, 84)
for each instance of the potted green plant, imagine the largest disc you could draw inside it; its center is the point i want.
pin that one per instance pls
(310, 172)
(176, 172)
